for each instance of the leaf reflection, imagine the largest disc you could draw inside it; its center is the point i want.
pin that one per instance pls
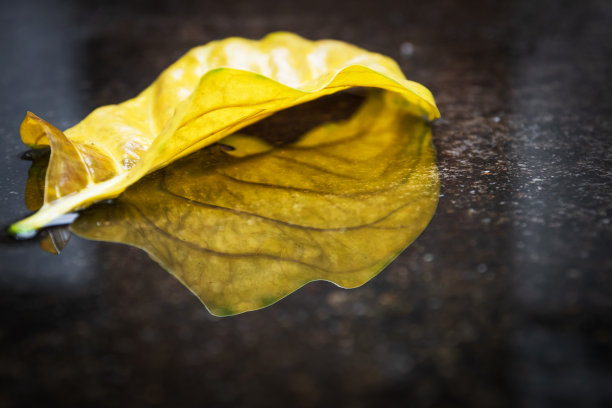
(243, 228)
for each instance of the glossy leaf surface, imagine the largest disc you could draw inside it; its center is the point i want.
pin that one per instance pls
(244, 228)
(209, 93)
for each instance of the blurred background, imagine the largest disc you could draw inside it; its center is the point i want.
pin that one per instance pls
(504, 300)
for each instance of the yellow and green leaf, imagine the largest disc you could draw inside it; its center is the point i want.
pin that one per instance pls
(211, 92)
(243, 228)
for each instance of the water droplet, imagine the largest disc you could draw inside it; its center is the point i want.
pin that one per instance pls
(407, 49)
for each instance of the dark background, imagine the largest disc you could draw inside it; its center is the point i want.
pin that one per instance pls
(505, 299)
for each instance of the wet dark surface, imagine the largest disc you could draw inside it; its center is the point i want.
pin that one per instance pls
(504, 300)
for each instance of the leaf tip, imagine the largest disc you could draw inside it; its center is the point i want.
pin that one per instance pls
(19, 231)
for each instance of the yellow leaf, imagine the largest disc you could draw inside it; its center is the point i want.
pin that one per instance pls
(244, 228)
(206, 95)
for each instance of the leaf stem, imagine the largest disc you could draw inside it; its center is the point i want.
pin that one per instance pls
(28, 227)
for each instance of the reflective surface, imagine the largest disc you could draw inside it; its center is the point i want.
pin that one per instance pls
(504, 300)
